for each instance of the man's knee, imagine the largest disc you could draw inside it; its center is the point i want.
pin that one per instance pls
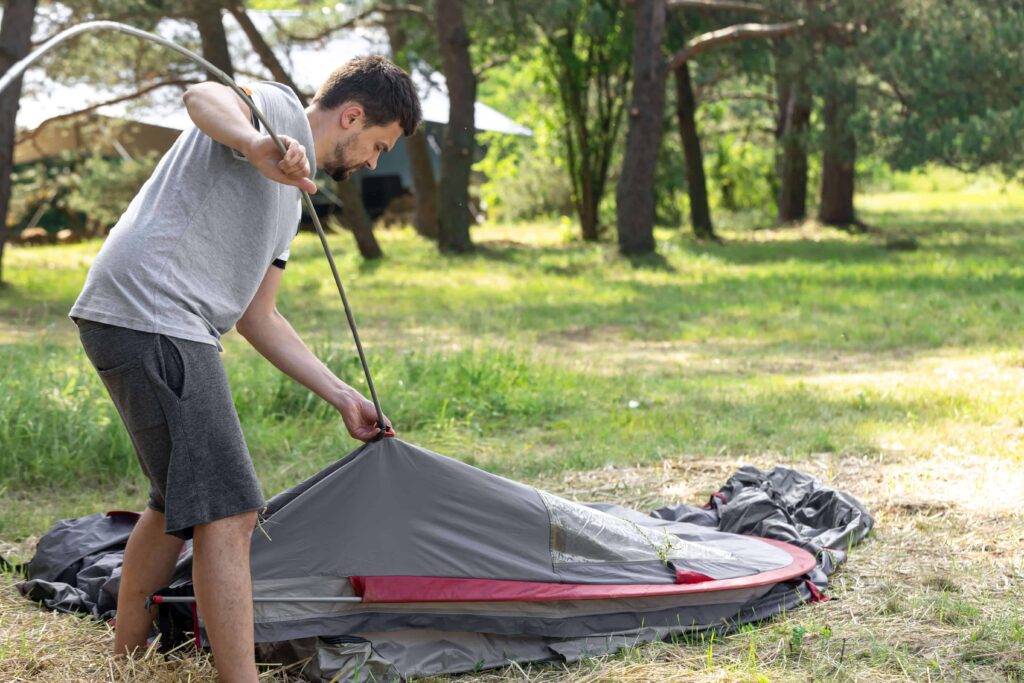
(241, 524)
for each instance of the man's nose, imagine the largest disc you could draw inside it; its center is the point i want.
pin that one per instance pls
(371, 163)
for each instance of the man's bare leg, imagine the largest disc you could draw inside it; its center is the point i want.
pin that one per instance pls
(149, 560)
(223, 585)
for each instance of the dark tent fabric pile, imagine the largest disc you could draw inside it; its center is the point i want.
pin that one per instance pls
(456, 569)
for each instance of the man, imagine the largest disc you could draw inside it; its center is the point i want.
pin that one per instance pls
(201, 249)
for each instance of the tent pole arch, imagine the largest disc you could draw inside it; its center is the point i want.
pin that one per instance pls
(18, 68)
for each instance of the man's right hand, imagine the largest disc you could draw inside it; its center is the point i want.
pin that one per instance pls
(290, 169)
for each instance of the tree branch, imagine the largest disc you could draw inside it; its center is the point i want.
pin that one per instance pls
(260, 46)
(489, 64)
(117, 100)
(414, 10)
(732, 34)
(721, 6)
(745, 128)
(325, 33)
(730, 96)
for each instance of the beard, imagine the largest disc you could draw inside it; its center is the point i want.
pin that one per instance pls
(340, 174)
(340, 167)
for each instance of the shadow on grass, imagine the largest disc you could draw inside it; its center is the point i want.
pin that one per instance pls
(651, 262)
(510, 251)
(745, 252)
(549, 259)
(865, 311)
(367, 266)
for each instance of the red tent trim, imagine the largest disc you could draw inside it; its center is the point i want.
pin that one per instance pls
(446, 589)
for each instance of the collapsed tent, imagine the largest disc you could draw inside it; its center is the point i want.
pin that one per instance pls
(445, 568)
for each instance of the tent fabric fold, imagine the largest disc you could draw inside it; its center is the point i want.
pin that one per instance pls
(460, 569)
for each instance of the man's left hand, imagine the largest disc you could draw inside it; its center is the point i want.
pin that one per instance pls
(360, 418)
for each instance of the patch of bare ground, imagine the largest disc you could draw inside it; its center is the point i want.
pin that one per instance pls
(933, 594)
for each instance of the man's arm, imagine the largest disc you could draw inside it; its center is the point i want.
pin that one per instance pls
(224, 116)
(273, 336)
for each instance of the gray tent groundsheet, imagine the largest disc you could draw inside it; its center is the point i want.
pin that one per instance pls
(447, 568)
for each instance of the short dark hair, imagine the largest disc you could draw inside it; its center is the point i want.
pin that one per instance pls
(385, 92)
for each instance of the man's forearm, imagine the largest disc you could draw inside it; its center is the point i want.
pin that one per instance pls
(217, 111)
(220, 113)
(275, 339)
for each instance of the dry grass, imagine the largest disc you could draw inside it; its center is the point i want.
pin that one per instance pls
(934, 594)
(47, 647)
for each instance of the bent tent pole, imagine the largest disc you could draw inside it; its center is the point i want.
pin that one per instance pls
(19, 68)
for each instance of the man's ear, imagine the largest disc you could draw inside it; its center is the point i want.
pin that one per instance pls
(350, 114)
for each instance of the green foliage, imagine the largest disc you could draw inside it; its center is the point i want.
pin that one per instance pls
(875, 175)
(39, 194)
(70, 191)
(105, 186)
(525, 177)
(740, 174)
(587, 47)
(940, 80)
(121, 63)
(523, 182)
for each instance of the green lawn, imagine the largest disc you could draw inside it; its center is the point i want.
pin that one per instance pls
(545, 359)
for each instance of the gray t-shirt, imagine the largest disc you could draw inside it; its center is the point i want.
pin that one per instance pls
(188, 255)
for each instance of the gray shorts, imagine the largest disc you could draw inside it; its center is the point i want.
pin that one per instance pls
(174, 399)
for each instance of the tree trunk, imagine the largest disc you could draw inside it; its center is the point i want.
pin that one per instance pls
(356, 219)
(214, 41)
(696, 181)
(590, 228)
(262, 48)
(794, 118)
(15, 41)
(416, 145)
(459, 140)
(580, 154)
(424, 184)
(635, 193)
(840, 154)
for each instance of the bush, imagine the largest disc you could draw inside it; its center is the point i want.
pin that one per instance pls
(106, 186)
(38, 195)
(71, 191)
(523, 181)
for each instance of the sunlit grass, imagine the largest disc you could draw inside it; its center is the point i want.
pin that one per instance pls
(526, 357)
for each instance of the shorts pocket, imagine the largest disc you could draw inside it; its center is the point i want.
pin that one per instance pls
(133, 395)
(172, 366)
(87, 328)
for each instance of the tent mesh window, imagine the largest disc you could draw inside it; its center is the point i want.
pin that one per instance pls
(583, 535)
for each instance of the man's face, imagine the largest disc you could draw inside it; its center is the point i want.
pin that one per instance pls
(357, 145)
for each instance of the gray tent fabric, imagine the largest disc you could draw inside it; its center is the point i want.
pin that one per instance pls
(459, 569)
(338, 658)
(77, 564)
(423, 514)
(785, 505)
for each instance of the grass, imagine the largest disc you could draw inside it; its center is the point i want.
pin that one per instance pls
(895, 374)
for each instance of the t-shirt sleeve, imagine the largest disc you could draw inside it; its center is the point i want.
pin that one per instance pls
(272, 100)
(282, 260)
(255, 121)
